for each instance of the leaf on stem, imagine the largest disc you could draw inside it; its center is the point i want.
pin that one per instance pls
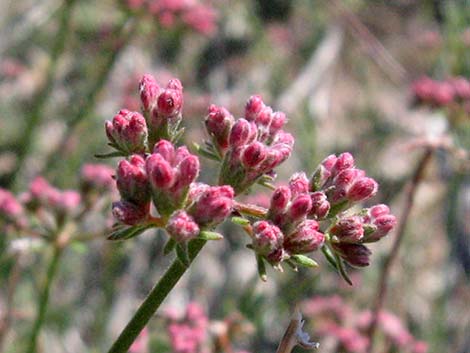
(261, 268)
(110, 155)
(305, 261)
(124, 233)
(240, 221)
(208, 235)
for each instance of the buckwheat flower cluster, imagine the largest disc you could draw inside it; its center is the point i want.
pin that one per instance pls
(192, 13)
(249, 147)
(454, 91)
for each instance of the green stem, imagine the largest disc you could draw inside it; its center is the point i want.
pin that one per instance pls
(150, 305)
(124, 34)
(26, 141)
(44, 299)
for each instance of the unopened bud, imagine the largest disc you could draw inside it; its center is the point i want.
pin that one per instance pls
(280, 200)
(128, 131)
(10, 208)
(131, 180)
(169, 103)
(253, 107)
(212, 205)
(348, 229)
(218, 124)
(354, 254)
(186, 172)
(344, 161)
(298, 184)
(362, 189)
(182, 227)
(320, 205)
(165, 149)
(253, 154)
(149, 91)
(129, 213)
(300, 207)
(241, 133)
(306, 238)
(159, 171)
(267, 240)
(277, 122)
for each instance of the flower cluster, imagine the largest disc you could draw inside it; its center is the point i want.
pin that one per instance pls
(309, 214)
(335, 318)
(250, 147)
(194, 14)
(438, 94)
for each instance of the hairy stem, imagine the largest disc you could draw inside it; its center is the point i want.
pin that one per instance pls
(150, 305)
(384, 275)
(35, 112)
(44, 299)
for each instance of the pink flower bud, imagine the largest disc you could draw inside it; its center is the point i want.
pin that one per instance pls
(267, 238)
(218, 124)
(186, 172)
(443, 94)
(97, 176)
(160, 172)
(348, 229)
(344, 161)
(298, 184)
(354, 254)
(264, 117)
(320, 205)
(132, 181)
(461, 87)
(165, 149)
(362, 189)
(129, 213)
(149, 91)
(280, 200)
(182, 227)
(128, 131)
(343, 182)
(69, 201)
(253, 155)
(379, 210)
(10, 208)
(381, 222)
(306, 238)
(212, 205)
(283, 138)
(170, 102)
(253, 107)
(175, 84)
(277, 122)
(300, 207)
(241, 133)
(181, 154)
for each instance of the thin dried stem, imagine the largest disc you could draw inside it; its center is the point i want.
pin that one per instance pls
(389, 261)
(294, 335)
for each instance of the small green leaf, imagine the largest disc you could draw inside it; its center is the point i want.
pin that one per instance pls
(261, 268)
(329, 256)
(208, 235)
(206, 153)
(334, 210)
(182, 253)
(123, 233)
(110, 155)
(240, 221)
(305, 261)
(169, 246)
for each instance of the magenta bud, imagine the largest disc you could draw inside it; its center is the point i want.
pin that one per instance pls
(69, 201)
(186, 172)
(298, 184)
(241, 133)
(277, 122)
(170, 102)
(300, 207)
(306, 238)
(127, 131)
(348, 229)
(320, 205)
(175, 84)
(130, 213)
(354, 254)
(165, 149)
(182, 227)
(362, 189)
(379, 210)
(131, 180)
(149, 91)
(212, 205)
(253, 154)
(160, 172)
(253, 107)
(283, 138)
(344, 161)
(267, 239)
(280, 200)
(10, 208)
(383, 224)
(264, 117)
(218, 124)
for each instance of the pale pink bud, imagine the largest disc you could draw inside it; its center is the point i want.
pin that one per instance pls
(253, 107)
(218, 124)
(241, 132)
(300, 207)
(253, 154)
(461, 87)
(97, 176)
(170, 102)
(175, 84)
(267, 238)
(354, 254)
(443, 94)
(362, 189)
(420, 347)
(128, 131)
(283, 137)
(159, 171)
(132, 181)
(280, 200)
(320, 205)
(149, 91)
(344, 161)
(165, 149)
(306, 238)
(264, 117)
(384, 224)
(130, 213)
(423, 88)
(348, 229)
(379, 210)
(212, 205)
(182, 227)
(298, 184)
(10, 208)
(186, 172)
(69, 201)
(277, 122)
